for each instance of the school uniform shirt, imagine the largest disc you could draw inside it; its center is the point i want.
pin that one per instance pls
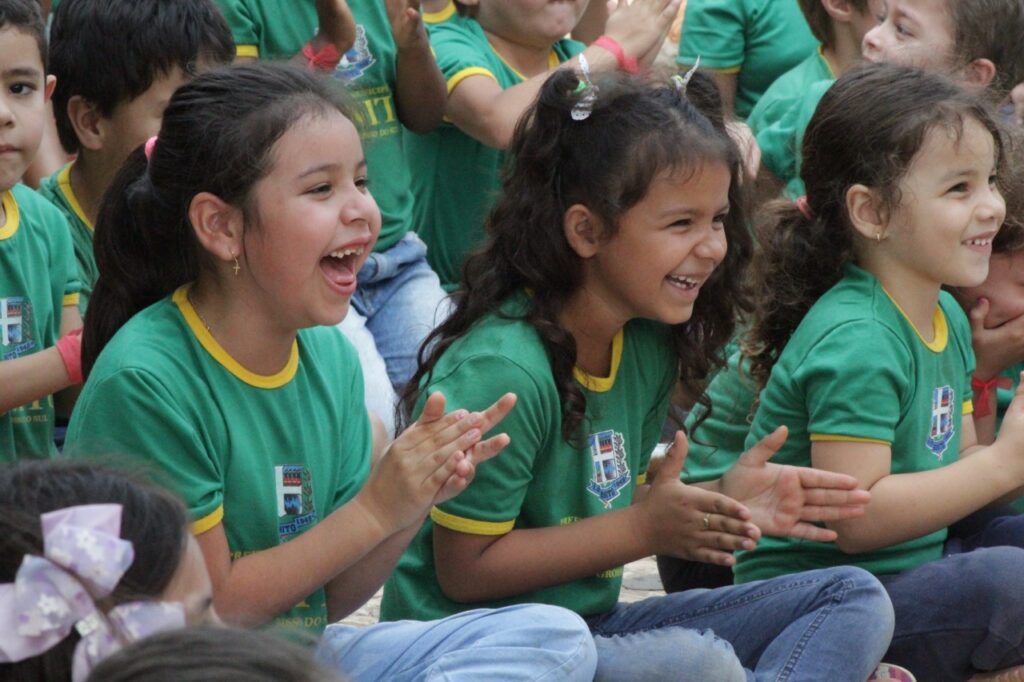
(1004, 395)
(774, 119)
(456, 180)
(57, 189)
(757, 40)
(267, 456)
(856, 370)
(277, 29)
(38, 277)
(539, 480)
(719, 440)
(441, 16)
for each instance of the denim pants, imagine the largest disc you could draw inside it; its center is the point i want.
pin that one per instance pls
(526, 642)
(402, 301)
(831, 624)
(964, 612)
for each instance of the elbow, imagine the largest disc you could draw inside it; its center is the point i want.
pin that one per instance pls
(851, 544)
(461, 589)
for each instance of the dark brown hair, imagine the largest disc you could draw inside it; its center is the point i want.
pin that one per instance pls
(991, 29)
(606, 163)
(867, 130)
(820, 21)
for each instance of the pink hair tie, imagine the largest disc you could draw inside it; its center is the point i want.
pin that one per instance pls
(150, 143)
(804, 208)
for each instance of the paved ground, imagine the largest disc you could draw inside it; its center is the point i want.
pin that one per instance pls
(639, 582)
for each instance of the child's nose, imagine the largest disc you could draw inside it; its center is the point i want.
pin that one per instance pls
(713, 247)
(872, 43)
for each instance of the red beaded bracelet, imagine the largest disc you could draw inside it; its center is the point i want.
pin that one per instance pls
(984, 389)
(627, 64)
(325, 59)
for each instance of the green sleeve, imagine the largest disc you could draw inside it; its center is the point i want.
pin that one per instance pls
(715, 31)
(960, 327)
(131, 414)
(459, 53)
(492, 502)
(850, 394)
(244, 28)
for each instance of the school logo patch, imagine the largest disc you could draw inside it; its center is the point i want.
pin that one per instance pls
(611, 472)
(357, 60)
(295, 508)
(942, 420)
(15, 327)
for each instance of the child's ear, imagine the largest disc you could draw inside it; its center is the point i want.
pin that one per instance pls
(85, 119)
(51, 83)
(218, 226)
(866, 215)
(580, 227)
(980, 73)
(840, 10)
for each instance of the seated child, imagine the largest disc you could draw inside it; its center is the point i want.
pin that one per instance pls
(39, 285)
(219, 368)
(117, 62)
(495, 55)
(612, 270)
(869, 363)
(745, 45)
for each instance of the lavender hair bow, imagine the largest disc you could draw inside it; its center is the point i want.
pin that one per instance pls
(83, 560)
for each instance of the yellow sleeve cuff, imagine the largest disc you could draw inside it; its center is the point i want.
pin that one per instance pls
(968, 407)
(71, 299)
(641, 479)
(204, 524)
(438, 17)
(466, 73)
(247, 51)
(471, 526)
(833, 438)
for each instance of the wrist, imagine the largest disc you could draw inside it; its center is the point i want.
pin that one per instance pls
(627, 63)
(375, 514)
(321, 54)
(69, 347)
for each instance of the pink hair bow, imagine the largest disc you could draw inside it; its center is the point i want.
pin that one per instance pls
(83, 559)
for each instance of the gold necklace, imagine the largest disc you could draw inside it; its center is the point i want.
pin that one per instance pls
(202, 319)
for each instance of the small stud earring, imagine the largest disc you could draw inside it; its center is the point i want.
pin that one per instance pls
(236, 266)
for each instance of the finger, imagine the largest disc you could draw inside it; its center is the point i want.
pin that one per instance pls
(493, 415)
(672, 467)
(807, 531)
(433, 408)
(434, 434)
(830, 497)
(437, 478)
(820, 478)
(811, 512)
(727, 542)
(713, 556)
(716, 503)
(718, 523)
(485, 449)
(766, 448)
(979, 311)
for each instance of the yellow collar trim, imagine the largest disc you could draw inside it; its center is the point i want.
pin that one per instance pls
(821, 56)
(552, 62)
(941, 329)
(64, 185)
(438, 17)
(603, 384)
(218, 353)
(13, 216)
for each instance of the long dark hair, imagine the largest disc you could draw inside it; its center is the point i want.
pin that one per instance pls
(154, 521)
(607, 163)
(867, 130)
(217, 136)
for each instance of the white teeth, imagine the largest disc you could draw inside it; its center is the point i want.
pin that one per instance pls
(684, 282)
(358, 251)
(979, 242)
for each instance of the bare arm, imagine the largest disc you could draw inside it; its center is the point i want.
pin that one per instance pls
(591, 25)
(421, 93)
(36, 376)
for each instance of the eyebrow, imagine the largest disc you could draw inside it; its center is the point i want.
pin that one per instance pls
(22, 72)
(328, 167)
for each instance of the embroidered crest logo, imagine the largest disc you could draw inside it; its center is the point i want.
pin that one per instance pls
(295, 508)
(15, 327)
(611, 472)
(357, 60)
(942, 420)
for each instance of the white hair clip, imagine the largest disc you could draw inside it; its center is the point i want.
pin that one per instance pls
(681, 82)
(588, 93)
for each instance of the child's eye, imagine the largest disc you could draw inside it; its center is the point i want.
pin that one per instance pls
(718, 222)
(682, 222)
(363, 183)
(958, 188)
(902, 30)
(992, 180)
(323, 188)
(22, 88)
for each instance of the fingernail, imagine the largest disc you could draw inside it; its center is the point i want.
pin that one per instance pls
(460, 414)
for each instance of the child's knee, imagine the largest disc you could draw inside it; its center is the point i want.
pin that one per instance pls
(669, 653)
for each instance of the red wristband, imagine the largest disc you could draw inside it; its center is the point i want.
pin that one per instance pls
(326, 59)
(627, 64)
(984, 389)
(70, 348)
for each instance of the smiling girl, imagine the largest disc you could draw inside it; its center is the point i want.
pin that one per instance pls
(611, 271)
(225, 259)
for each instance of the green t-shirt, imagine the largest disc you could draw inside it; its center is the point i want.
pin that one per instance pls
(38, 277)
(57, 188)
(539, 480)
(269, 456)
(455, 178)
(801, 115)
(1004, 395)
(856, 370)
(758, 40)
(776, 115)
(277, 29)
(720, 439)
(441, 16)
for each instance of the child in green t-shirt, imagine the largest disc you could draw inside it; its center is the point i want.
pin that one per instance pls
(612, 272)
(856, 348)
(494, 56)
(229, 248)
(39, 320)
(111, 92)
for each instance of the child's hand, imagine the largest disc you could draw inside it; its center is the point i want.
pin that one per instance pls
(337, 25)
(786, 500)
(641, 27)
(1011, 432)
(750, 152)
(692, 523)
(406, 23)
(431, 461)
(998, 348)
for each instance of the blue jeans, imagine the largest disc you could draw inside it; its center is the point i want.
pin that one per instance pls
(526, 642)
(964, 612)
(832, 624)
(402, 301)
